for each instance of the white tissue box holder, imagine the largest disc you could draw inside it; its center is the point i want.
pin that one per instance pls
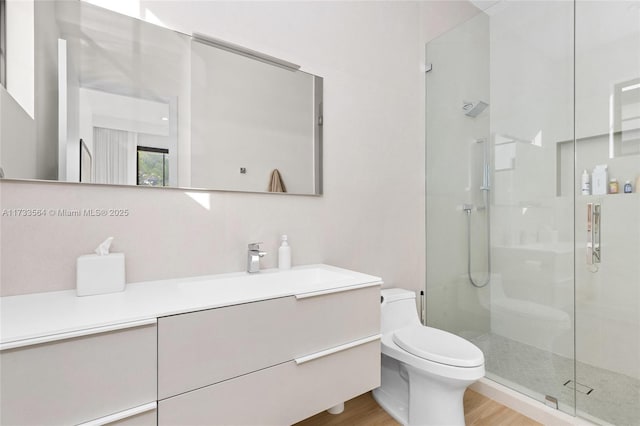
(100, 274)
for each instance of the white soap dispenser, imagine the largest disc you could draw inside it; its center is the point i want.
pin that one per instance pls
(284, 254)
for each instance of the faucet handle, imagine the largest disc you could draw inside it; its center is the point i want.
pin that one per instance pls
(254, 246)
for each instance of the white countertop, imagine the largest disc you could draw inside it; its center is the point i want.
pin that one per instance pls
(32, 316)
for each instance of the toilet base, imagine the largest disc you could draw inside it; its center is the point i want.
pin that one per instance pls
(395, 407)
(435, 400)
(393, 394)
(415, 397)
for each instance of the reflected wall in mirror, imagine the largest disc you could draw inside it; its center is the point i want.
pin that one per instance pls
(251, 115)
(154, 107)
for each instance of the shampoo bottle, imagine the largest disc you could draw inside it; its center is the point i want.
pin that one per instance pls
(284, 254)
(628, 189)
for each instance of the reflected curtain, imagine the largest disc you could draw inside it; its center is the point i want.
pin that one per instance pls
(111, 156)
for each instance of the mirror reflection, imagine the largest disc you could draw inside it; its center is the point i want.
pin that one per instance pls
(138, 104)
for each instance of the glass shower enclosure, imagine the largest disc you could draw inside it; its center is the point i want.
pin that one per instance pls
(533, 121)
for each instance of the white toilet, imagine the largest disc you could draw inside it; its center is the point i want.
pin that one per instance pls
(425, 371)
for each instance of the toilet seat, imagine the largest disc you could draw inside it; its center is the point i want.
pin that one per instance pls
(438, 346)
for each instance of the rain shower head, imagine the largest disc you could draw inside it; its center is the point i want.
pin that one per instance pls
(473, 109)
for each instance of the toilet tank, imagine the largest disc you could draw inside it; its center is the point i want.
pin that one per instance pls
(397, 309)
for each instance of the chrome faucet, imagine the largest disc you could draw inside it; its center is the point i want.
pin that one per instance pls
(253, 257)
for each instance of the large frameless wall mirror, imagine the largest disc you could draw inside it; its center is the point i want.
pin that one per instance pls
(125, 102)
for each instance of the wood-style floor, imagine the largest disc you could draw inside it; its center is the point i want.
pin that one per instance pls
(365, 411)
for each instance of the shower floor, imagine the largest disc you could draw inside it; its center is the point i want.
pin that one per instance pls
(614, 398)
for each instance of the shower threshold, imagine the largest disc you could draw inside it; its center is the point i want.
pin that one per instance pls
(610, 398)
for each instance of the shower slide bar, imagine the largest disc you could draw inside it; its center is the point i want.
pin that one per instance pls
(593, 233)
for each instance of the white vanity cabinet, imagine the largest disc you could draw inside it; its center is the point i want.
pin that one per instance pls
(258, 349)
(279, 395)
(77, 379)
(269, 362)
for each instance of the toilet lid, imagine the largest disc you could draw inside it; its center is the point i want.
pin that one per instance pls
(438, 346)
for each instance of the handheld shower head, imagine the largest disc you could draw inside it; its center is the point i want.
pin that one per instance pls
(473, 109)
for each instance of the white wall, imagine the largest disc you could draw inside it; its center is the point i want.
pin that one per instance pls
(371, 217)
(32, 83)
(18, 151)
(20, 53)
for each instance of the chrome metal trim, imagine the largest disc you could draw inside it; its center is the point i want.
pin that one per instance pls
(244, 51)
(336, 349)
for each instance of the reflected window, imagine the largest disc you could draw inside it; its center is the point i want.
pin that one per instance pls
(153, 166)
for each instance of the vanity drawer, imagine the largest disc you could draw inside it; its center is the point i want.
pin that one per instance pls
(280, 395)
(144, 415)
(149, 418)
(202, 348)
(78, 379)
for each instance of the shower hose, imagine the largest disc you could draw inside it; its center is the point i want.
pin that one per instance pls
(479, 284)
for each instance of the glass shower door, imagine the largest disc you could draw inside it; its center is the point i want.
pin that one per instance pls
(519, 195)
(530, 346)
(607, 221)
(496, 212)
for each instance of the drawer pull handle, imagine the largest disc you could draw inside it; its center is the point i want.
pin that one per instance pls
(78, 333)
(336, 290)
(121, 415)
(336, 349)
